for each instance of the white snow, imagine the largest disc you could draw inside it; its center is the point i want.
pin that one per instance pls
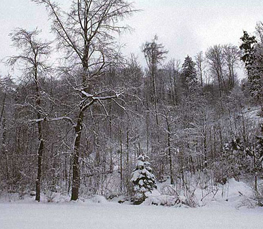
(87, 94)
(117, 216)
(225, 210)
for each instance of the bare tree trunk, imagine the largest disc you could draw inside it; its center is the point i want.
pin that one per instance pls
(244, 132)
(40, 133)
(128, 157)
(110, 136)
(147, 132)
(205, 149)
(39, 159)
(121, 160)
(169, 150)
(255, 173)
(39, 169)
(76, 153)
(3, 108)
(155, 99)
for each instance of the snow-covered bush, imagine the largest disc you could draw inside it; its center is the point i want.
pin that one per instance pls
(142, 179)
(99, 199)
(184, 196)
(163, 200)
(50, 196)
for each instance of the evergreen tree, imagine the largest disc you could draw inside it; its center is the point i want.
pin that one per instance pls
(142, 179)
(252, 59)
(248, 48)
(189, 75)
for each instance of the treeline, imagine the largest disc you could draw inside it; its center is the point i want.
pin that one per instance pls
(78, 128)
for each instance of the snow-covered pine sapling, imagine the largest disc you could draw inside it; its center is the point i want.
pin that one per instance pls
(142, 179)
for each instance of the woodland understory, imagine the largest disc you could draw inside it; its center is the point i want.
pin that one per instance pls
(78, 127)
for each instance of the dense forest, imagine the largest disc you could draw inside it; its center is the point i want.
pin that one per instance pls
(85, 124)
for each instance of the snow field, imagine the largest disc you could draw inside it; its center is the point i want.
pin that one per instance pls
(229, 208)
(117, 216)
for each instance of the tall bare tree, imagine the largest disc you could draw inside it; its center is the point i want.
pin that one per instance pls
(33, 61)
(216, 61)
(232, 59)
(199, 60)
(154, 54)
(86, 34)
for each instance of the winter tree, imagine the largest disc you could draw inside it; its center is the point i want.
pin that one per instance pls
(251, 56)
(86, 34)
(142, 179)
(199, 60)
(189, 76)
(216, 62)
(33, 57)
(154, 54)
(232, 58)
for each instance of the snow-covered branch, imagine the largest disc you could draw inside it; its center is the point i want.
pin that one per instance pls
(97, 98)
(65, 118)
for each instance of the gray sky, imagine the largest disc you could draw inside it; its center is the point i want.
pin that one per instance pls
(184, 27)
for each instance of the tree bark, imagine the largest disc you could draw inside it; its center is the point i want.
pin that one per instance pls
(39, 169)
(169, 150)
(76, 168)
(40, 134)
(40, 148)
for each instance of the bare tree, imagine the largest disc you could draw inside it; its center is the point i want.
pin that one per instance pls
(216, 61)
(232, 58)
(86, 33)
(32, 58)
(173, 72)
(154, 54)
(199, 60)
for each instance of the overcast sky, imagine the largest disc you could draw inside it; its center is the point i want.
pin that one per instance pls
(184, 27)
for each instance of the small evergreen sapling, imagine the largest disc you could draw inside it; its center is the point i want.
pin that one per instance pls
(142, 179)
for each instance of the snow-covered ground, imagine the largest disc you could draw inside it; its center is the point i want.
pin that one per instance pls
(116, 216)
(230, 208)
